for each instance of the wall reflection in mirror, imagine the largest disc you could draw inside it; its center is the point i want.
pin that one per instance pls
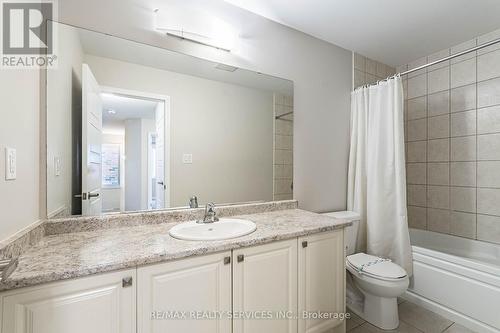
(134, 127)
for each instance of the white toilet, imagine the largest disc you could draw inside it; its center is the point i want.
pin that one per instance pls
(373, 283)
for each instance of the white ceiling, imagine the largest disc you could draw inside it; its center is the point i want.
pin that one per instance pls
(125, 108)
(103, 45)
(391, 31)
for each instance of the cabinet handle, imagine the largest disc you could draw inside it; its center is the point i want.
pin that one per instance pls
(227, 260)
(127, 282)
(304, 244)
(240, 257)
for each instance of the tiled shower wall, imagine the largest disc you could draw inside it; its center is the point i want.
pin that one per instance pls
(283, 148)
(453, 142)
(367, 71)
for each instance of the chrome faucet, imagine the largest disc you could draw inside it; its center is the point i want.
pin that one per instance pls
(193, 202)
(210, 214)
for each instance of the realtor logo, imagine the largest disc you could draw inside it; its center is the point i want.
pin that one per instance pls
(27, 34)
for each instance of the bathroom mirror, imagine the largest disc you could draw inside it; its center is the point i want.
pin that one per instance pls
(132, 127)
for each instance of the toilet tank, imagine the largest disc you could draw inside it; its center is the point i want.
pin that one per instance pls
(351, 232)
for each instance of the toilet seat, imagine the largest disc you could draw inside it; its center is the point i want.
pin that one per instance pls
(375, 267)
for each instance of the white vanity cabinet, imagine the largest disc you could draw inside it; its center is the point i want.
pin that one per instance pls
(99, 304)
(282, 278)
(321, 281)
(174, 296)
(265, 284)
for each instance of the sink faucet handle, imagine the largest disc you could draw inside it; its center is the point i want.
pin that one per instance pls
(193, 202)
(210, 213)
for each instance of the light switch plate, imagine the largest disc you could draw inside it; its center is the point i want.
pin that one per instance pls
(187, 158)
(57, 166)
(10, 164)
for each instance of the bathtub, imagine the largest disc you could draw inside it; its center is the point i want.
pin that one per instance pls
(458, 278)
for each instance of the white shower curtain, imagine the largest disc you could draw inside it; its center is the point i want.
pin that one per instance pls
(377, 177)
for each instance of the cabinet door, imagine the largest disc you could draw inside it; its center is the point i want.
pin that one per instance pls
(97, 304)
(265, 283)
(321, 280)
(169, 295)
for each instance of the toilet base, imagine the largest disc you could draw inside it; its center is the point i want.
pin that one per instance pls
(378, 311)
(381, 311)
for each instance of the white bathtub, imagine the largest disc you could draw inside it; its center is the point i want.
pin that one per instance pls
(458, 278)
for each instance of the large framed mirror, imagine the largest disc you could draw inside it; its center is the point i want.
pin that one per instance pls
(132, 127)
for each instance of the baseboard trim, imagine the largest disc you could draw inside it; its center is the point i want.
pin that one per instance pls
(448, 313)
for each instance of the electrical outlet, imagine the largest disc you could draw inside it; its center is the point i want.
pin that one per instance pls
(10, 164)
(187, 158)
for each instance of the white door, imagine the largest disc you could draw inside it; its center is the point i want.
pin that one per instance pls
(321, 280)
(265, 282)
(161, 184)
(201, 284)
(91, 144)
(98, 304)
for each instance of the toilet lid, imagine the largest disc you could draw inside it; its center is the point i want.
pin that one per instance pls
(376, 266)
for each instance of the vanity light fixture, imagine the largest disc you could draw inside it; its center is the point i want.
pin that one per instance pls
(198, 28)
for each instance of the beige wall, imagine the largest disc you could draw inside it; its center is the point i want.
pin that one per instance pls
(63, 81)
(227, 128)
(283, 148)
(368, 71)
(322, 75)
(19, 129)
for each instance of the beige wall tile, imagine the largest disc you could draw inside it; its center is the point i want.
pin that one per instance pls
(371, 66)
(488, 201)
(438, 150)
(488, 120)
(438, 80)
(462, 47)
(438, 173)
(417, 130)
(488, 93)
(417, 63)
(488, 174)
(417, 217)
(381, 70)
(438, 220)
(437, 56)
(463, 149)
(463, 224)
(439, 103)
(488, 66)
(463, 98)
(359, 62)
(438, 127)
(463, 123)
(488, 228)
(463, 173)
(417, 108)
(359, 78)
(417, 151)
(488, 38)
(417, 86)
(416, 173)
(488, 147)
(438, 197)
(463, 199)
(463, 73)
(417, 195)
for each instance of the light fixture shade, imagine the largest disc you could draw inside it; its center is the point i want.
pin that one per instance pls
(196, 25)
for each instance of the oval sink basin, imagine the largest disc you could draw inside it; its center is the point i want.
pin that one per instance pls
(220, 230)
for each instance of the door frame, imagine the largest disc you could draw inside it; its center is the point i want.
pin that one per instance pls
(167, 140)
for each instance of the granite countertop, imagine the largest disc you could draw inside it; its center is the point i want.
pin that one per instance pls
(71, 255)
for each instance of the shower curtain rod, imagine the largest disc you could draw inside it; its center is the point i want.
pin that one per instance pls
(479, 47)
